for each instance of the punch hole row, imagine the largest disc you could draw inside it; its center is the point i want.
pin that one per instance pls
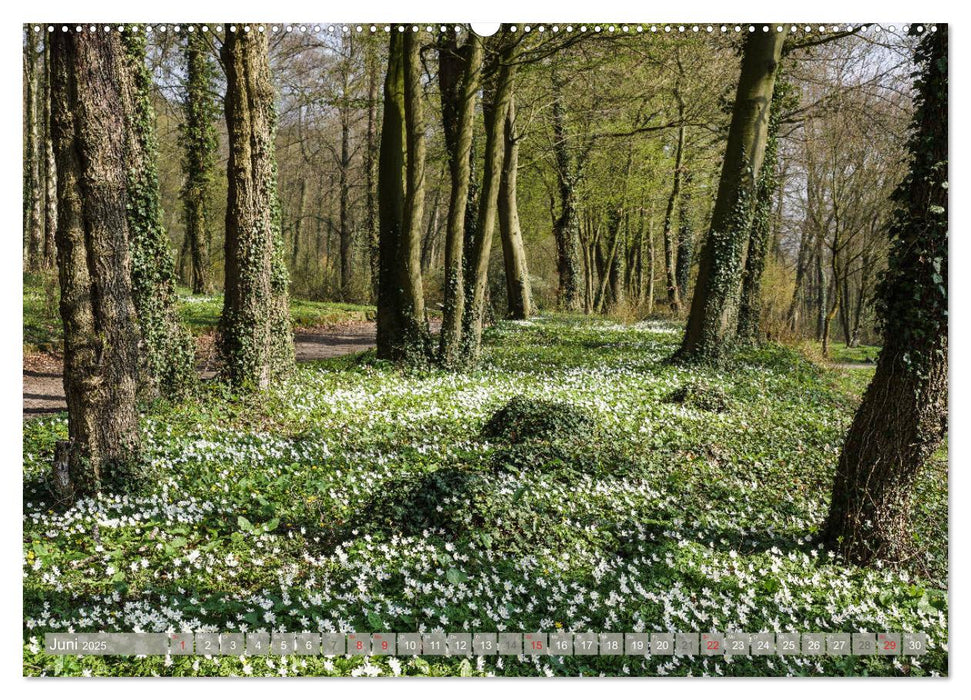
(441, 29)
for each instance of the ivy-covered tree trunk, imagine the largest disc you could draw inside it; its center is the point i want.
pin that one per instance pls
(459, 80)
(519, 296)
(50, 169)
(686, 241)
(199, 149)
(33, 231)
(168, 348)
(501, 71)
(566, 228)
(903, 416)
(402, 333)
(712, 321)
(256, 335)
(750, 300)
(101, 336)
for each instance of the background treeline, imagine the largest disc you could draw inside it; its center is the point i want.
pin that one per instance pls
(619, 142)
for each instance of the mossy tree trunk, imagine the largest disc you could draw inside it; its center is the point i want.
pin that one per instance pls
(256, 338)
(459, 80)
(519, 296)
(500, 72)
(712, 320)
(750, 301)
(168, 349)
(402, 333)
(101, 335)
(199, 149)
(903, 416)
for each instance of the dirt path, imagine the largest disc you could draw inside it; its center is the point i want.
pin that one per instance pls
(44, 388)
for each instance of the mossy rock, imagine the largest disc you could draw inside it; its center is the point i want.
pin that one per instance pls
(523, 420)
(702, 396)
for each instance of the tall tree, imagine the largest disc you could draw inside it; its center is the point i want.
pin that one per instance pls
(168, 348)
(519, 296)
(199, 149)
(101, 337)
(256, 338)
(402, 333)
(750, 301)
(714, 306)
(566, 228)
(903, 416)
(459, 80)
(371, 162)
(499, 76)
(50, 168)
(685, 235)
(33, 231)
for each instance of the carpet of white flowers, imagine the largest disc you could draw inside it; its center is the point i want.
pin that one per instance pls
(360, 497)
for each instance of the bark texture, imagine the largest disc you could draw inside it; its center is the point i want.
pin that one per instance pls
(402, 333)
(256, 338)
(101, 336)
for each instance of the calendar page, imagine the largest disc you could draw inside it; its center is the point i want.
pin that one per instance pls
(549, 348)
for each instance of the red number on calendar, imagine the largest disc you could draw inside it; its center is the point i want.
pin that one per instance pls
(889, 645)
(384, 646)
(360, 645)
(712, 645)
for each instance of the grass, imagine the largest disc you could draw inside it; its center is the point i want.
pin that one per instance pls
(356, 496)
(42, 322)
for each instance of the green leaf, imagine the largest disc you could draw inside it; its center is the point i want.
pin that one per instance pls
(244, 524)
(455, 577)
(375, 621)
(465, 669)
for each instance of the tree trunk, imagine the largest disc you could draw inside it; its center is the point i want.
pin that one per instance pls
(199, 150)
(518, 292)
(370, 167)
(670, 244)
(685, 236)
(402, 327)
(566, 228)
(712, 320)
(495, 107)
(33, 230)
(903, 416)
(50, 169)
(168, 348)
(750, 303)
(346, 234)
(256, 335)
(101, 337)
(459, 80)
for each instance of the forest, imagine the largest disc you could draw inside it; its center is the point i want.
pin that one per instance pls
(569, 328)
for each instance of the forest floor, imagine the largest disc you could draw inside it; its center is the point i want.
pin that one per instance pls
(44, 386)
(618, 492)
(322, 330)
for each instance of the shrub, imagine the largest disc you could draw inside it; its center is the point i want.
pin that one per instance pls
(524, 419)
